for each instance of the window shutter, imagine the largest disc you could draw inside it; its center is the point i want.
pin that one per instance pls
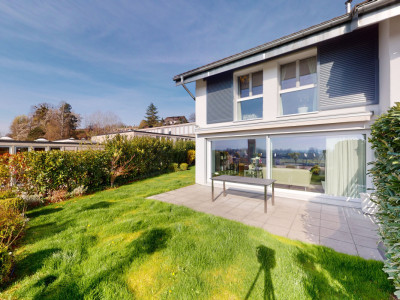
(348, 74)
(220, 98)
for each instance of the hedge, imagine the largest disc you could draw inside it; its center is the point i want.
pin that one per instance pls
(45, 172)
(385, 141)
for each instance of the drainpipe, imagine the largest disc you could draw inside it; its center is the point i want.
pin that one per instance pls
(187, 90)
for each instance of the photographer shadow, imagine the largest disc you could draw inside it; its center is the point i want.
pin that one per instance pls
(266, 258)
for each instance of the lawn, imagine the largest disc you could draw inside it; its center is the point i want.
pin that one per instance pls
(116, 244)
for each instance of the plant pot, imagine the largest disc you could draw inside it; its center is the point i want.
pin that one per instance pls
(302, 109)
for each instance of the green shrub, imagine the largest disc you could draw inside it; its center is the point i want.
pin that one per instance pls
(6, 194)
(11, 226)
(173, 167)
(16, 204)
(315, 169)
(5, 263)
(191, 156)
(183, 166)
(385, 141)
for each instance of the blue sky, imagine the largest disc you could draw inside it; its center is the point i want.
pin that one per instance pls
(119, 56)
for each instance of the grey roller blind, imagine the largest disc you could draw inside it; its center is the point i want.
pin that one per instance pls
(348, 73)
(220, 98)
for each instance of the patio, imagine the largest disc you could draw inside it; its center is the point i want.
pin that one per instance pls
(344, 229)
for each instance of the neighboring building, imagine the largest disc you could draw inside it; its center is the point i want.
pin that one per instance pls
(174, 132)
(299, 109)
(186, 129)
(175, 120)
(11, 146)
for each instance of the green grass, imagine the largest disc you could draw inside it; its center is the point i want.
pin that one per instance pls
(116, 244)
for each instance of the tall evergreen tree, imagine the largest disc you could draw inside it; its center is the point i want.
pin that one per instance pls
(151, 115)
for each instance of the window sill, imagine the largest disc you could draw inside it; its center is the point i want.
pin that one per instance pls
(298, 114)
(241, 121)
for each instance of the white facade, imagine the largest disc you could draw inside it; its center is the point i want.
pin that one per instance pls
(330, 123)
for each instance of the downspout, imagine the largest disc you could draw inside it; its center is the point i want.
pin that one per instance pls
(187, 90)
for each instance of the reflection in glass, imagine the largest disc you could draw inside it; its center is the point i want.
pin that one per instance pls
(301, 101)
(239, 157)
(250, 109)
(288, 76)
(244, 86)
(257, 82)
(334, 165)
(308, 71)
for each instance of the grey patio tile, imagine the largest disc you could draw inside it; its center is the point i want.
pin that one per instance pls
(303, 236)
(336, 235)
(307, 220)
(369, 253)
(252, 222)
(333, 218)
(283, 214)
(363, 231)
(312, 214)
(258, 216)
(362, 223)
(277, 230)
(342, 226)
(279, 222)
(309, 206)
(302, 227)
(239, 212)
(366, 241)
(340, 246)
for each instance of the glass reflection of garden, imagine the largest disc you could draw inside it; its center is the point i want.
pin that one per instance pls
(241, 157)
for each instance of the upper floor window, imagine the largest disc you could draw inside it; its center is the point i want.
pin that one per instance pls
(250, 100)
(298, 87)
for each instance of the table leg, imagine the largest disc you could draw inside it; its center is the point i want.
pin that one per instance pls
(265, 198)
(212, 190)
(224, 188)
(273, 194)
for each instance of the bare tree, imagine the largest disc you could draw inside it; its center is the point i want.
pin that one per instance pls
(20, 127)
(102, 122)
(192, 117)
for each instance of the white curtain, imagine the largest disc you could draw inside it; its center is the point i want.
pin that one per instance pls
(312, 65)
(345, 166)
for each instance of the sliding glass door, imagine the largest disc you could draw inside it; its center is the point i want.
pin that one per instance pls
(334, 165)
(239, 157)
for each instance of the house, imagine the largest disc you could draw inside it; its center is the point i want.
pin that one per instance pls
(299, 109)
(175, 120)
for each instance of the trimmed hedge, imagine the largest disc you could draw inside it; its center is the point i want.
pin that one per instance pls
(385, 141)
(42, 173)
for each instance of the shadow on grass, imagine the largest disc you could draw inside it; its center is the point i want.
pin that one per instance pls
(43, 211)
(45, 231)
(29, 265)
(266, 258)
(101, 204)
(337, 275)
(74, 287)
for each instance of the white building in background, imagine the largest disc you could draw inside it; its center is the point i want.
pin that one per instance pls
(171, 132)
(299, 109)
(11, 146)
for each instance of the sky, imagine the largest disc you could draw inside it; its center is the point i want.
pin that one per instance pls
(119, 56)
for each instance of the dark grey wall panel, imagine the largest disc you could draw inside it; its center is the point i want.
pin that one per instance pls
(349, 70)
(220, 98)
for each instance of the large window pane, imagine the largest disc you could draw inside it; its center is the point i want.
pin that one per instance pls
(239, 157)
(250, 109)
(257, 81)
(334, 165)
(301, 101)
(288, 76)
(244, 86)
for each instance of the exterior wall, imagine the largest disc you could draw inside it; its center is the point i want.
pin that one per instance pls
(13, 145)
(337, 121)
(179, 129)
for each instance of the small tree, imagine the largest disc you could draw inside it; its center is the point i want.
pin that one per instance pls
(151, 115)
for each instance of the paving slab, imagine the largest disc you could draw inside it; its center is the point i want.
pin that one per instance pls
(344, 229)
